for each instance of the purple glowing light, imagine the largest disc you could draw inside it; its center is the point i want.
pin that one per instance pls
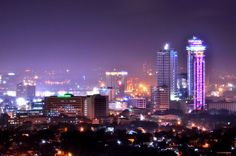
(199, 100)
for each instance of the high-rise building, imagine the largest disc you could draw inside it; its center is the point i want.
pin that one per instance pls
(25, 90)
(196, 72)
(8, 83)
(163, 67)
(96, 106)
(173, 74)
(167, 60)
(117, 81)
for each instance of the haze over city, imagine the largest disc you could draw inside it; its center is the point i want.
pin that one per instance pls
(86, 36)
(117, 77)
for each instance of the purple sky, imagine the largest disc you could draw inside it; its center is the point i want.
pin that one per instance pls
(90, 34)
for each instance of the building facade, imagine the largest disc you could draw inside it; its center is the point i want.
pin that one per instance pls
(93, 106)
(167, 60)
(8, 83)
(196, 72)
(96, 106)
(25, 90)
(67, 104)
(117, 81)
(138, 102)
(163, 98)
(230, 106)
(173, 74)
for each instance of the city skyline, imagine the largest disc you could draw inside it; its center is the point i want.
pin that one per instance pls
(83, 36)
(117, 77)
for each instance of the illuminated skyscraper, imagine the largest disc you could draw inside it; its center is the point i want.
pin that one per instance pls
(8, 83)
(173, 74)
(196, 72)
(167, 73)
(167, 60)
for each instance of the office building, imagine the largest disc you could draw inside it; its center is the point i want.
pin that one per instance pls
(25, 90)
(92, 106)
(117, 81)
(196, 72)
(8, 83)
(96, 106)
(173, 74)
(109, 91)
(138, 102)
(163, 101)
(67, 104)
(167, 60)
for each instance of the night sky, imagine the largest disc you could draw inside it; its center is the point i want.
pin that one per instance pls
(124, 34)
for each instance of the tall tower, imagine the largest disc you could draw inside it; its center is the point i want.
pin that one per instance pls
(166, 75)
(173, 74)
(196, 72)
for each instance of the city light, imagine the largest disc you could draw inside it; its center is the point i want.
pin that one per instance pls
(193, 125)
(206, 145)
(81, 129)
(166, 47)
(21, 103)
(119, 142)
(126, 78)
(178, 122)
(11, 93)
(11, 74)
(61, 93)
(196, 48)
(94, 91)
(66, 95)
(195, 45)
(46, 93)
(142, 117)
(117, 73)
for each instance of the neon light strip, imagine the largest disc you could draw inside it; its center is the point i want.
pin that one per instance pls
(199, 82)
